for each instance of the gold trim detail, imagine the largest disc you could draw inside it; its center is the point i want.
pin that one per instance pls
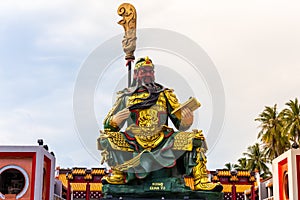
(224, 173)
(78, 187)
(150, 142)
(252, 179)
(117, 177)
(88, 177)
(78, 171)
(98, 171)
(239, 188)
(174, 103)
(69, 176)
(136, 98)
(184, 141)
(81, 187)
(118, 142)
(139, 97)
(200, 175)
(234, 178)
(243, 173)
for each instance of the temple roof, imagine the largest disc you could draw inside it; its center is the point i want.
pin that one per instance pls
(79, 176)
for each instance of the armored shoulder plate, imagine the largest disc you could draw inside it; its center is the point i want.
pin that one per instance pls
(172, 99)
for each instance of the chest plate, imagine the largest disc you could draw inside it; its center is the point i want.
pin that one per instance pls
(148, 122)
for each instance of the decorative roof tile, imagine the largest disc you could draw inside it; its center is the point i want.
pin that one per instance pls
(78, 171)
(98, 171)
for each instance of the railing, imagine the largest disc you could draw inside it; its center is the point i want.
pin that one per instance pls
(56, 197)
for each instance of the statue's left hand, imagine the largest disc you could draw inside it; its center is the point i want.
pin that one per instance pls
(187, 117)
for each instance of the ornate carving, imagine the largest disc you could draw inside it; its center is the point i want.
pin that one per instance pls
(184, 141)
(172, 99)
(161, 104)
(148, 120)
(117, 141)
(137, 98)
(128, 12)
(201, 181)
(151, 141)
(117, 177)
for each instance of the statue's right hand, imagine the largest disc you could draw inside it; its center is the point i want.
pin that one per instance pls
(120, 116)
(102, 136)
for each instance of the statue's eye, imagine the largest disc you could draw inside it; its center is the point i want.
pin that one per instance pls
(145, 71)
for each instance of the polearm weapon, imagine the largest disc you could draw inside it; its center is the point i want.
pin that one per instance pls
(127, 11)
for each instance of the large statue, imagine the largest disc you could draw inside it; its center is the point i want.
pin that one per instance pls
(137, 142)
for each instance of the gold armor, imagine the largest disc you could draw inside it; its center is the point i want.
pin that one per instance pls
(148, 132)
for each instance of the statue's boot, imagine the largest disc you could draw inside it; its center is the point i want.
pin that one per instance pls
(201, 181)
(204, 184)
(116, 178)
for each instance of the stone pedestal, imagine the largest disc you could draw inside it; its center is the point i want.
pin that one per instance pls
(171, 188)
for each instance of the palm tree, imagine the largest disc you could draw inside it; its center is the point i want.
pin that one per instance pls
(229, 166)
(256, 160)
(242, 164)
(291, 118)
(275, 142)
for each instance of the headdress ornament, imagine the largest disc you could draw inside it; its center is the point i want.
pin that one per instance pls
(143, 62)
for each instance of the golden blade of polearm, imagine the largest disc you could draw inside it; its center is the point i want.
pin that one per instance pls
(128, 12)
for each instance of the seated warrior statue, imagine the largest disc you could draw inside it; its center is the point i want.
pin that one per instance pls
(148, 146)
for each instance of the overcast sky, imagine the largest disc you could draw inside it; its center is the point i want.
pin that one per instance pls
(254, 45)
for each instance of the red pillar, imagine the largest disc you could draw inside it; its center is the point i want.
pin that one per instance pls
(233, 192)
(253, 192)
(87, 195)
(69, 191)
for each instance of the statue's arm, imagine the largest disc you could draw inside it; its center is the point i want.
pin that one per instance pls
(115, 119)
(185, 120)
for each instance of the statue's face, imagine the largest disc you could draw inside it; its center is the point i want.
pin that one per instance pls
(145, 74)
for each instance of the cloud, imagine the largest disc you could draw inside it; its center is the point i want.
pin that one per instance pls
(254, 45)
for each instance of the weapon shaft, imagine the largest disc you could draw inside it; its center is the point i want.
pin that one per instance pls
(129, 72)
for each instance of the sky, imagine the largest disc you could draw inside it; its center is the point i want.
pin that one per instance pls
(254, 46)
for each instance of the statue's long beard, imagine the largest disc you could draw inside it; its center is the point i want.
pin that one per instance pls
(152, 88)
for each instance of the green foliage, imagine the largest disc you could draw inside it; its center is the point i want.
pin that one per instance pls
(278, 131)
(271, 133)
(242, 164)
(229, 166)
(291, 119)
(256, 159)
